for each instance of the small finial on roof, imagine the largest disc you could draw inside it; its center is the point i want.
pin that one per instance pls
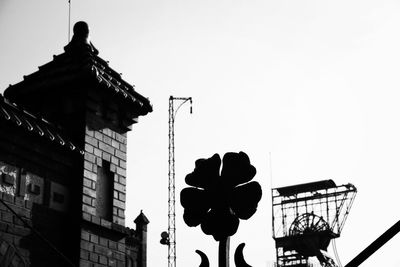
(81, 31)
(80, 39)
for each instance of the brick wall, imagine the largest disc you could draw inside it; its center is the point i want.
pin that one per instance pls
(105, 241)
(37, 181)
(35, 223)
(101, 251)
(40, 183)
(12, 230)
(102, 146)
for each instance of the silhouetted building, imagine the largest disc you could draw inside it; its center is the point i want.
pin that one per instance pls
(63, 164)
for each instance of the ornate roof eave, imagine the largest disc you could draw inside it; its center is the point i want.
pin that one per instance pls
(120, 89)
(92, 71)
(34, 125)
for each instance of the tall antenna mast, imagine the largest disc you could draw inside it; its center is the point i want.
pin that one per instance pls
(171, 242)
(69, 20)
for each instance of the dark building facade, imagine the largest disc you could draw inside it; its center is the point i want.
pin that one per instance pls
(63, 164)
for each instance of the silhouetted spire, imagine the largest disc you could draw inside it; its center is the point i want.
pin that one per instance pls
(141, 219)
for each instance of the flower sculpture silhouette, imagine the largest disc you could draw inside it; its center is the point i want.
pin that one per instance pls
(217, 199)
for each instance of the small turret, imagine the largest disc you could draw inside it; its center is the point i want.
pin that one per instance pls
(141, 230)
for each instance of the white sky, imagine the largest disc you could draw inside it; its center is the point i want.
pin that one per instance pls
(314, 83)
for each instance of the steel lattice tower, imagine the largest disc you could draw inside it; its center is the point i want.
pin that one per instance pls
(171, 178)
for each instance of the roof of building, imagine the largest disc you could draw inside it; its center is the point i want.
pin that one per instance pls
(31, 124)
(80, 62)
(307, 187)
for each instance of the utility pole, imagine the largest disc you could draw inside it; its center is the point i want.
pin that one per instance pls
(170, 237)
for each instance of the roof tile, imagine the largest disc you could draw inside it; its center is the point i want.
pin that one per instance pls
(20, 117)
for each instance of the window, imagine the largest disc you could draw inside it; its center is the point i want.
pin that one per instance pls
(104, 194)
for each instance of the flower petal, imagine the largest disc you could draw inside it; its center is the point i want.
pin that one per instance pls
(205, 172)
(196, 205)
(220, 224)
(244, 199)
(194, 198)
(236, 169)
(193, 217)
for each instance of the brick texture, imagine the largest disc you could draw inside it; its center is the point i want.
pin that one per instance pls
(106, 143)
(105, 241)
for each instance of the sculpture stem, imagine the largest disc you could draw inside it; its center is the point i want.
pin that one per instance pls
(223, 252)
